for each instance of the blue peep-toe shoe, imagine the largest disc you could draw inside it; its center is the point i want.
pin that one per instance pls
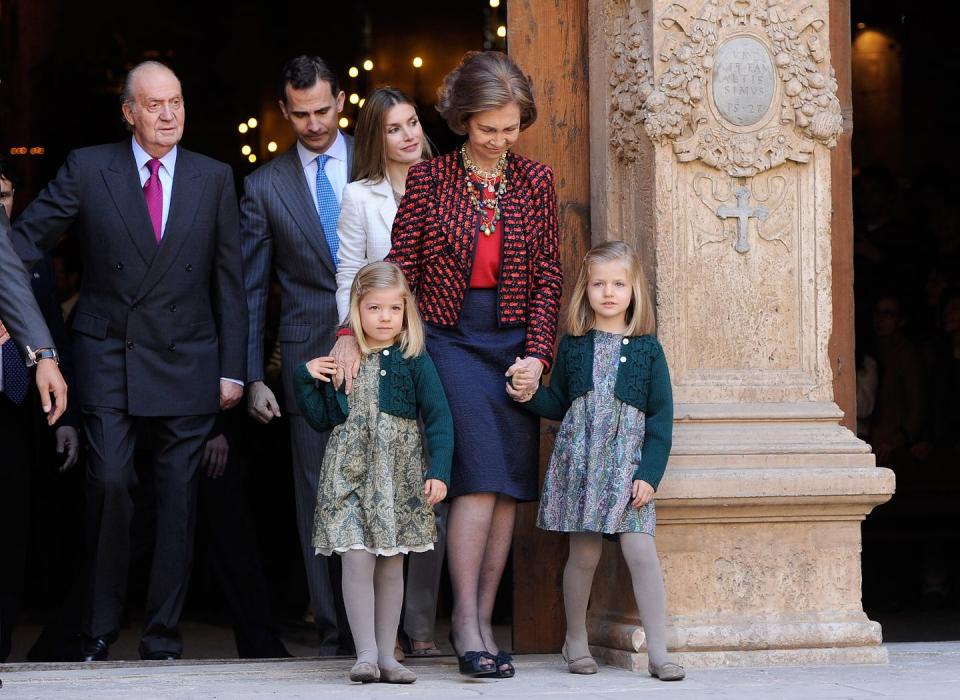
(504, 659)
(471, 663)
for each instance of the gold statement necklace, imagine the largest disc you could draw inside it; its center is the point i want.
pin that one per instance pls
(493, 181)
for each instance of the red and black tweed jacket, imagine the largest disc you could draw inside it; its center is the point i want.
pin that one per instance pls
(434, 235)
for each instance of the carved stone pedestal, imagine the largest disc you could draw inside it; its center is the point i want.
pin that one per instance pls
(759, 538)
(711, 124)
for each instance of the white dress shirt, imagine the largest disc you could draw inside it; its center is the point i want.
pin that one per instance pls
(167, 165)
(336, 167)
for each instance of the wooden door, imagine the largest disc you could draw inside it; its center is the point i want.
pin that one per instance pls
(842, 339)
(548, 40)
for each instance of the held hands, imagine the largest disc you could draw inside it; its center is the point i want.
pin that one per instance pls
(524, 375)
(642, 493)
(346, 352)
(322, 368)
(230, 394)
(435, 491)
(50, 381)
(517, 395)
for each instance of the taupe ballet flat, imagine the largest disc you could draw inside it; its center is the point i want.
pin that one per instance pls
(364, 672)
(582, 665)
(398, 674)
(667, 672)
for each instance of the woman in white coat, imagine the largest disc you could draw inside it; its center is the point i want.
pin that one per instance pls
(388, 140)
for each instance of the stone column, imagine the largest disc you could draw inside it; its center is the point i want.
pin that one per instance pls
(711, 126)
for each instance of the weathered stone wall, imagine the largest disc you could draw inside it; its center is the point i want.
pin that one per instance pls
(711, 128)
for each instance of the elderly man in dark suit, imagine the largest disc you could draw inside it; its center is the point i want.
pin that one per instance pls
(288, 215)
(160, 334)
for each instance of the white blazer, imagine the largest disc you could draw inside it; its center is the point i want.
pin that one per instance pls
(366, 216)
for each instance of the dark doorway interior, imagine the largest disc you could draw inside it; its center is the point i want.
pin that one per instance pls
(907, 272)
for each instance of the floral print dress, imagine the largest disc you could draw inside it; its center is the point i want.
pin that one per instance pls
(598, 447)
(370, 494)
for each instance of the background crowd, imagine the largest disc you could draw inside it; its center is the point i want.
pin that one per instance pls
(907, 282)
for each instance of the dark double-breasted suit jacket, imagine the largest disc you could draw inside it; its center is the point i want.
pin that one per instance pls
(155, 326)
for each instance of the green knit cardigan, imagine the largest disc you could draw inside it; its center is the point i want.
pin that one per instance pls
(407, 385)
(643, 380)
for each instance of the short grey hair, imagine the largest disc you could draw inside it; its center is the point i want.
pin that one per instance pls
(484, 80)
(126, 96)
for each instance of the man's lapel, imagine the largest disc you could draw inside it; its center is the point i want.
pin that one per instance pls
(188, 188)
(123, 184)
(291, 188)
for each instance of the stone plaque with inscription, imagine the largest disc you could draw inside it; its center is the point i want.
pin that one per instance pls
(743, 81)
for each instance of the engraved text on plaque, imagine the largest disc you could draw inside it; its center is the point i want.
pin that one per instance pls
(743, 81)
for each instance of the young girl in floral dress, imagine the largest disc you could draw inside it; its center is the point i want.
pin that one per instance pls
(611, 388)
(376, 494)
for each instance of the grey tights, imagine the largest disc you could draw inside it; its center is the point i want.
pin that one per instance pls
(640, 553)
(373, 597)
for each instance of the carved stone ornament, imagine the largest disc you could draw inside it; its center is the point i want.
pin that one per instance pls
(631, 81)
(746, 84)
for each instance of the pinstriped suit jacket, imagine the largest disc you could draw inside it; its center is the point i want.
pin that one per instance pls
(280, 228)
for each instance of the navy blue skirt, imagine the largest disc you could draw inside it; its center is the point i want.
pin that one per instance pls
(496, 443)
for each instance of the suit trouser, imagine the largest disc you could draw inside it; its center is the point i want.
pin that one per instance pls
(423, 583)
(323, 573)
(16, 462)
(177, 444)
(226, 525)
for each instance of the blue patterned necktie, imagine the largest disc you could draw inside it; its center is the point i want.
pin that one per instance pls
(328, 207)
(15, 377)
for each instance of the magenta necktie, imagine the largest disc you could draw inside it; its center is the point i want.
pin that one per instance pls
(153, 193)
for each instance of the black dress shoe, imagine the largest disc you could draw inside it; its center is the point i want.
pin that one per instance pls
(95, 649)
(158, 656)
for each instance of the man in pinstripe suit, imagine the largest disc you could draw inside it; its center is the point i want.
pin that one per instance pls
(288, 220)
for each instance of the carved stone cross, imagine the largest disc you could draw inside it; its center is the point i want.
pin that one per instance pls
(742, 213)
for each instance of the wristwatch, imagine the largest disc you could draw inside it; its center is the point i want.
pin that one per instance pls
(34, 356)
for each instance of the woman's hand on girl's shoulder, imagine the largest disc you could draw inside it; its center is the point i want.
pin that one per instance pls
(641, 492)
(322, 368)
(435, 491)
(346, 353)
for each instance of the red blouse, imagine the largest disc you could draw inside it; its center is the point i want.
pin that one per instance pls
(434, 237)
(486, 259)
